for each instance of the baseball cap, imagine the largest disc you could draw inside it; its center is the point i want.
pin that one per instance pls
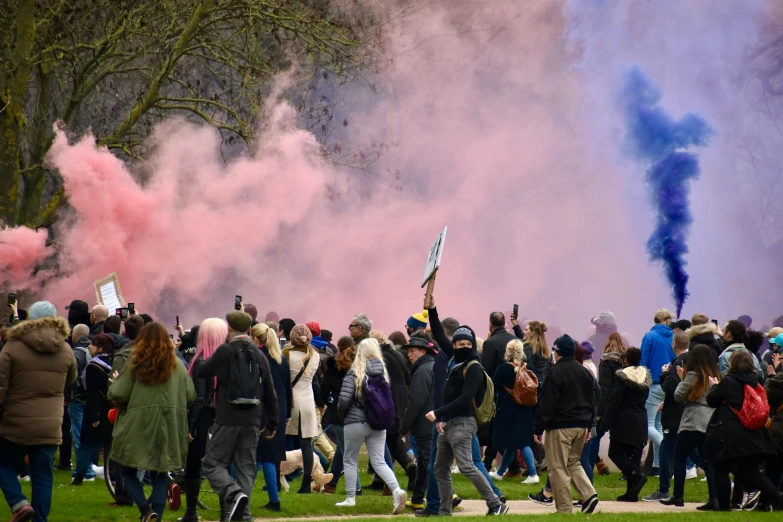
(777, 340)
(77, 305)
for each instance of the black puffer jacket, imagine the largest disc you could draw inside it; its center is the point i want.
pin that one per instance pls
(611, 362)
(625, 416)
(400, 380)
(727, 438)
(672, 410)
(774, 389)
(420, 399)
(705, 334)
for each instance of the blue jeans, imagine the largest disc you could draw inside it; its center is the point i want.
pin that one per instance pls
(654, 429)
(595, 447)
(666, 460)
(41, 461)
(83, 467)
(414, 447)
(510, 454)
(480, 465)
(584, 460)
(160, 485)
(270, 477)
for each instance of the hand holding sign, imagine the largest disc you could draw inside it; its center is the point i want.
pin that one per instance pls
(431, 268)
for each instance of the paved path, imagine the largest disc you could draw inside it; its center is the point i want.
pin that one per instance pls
(520, 507)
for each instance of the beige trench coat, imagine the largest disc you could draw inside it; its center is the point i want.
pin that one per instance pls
(303, 413)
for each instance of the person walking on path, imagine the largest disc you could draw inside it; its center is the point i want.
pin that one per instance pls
(566, 412)
(241, 402)
(354, 405)
(36, 367)
(154, 391)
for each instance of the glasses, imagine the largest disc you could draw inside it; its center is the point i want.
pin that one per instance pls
(353, 326)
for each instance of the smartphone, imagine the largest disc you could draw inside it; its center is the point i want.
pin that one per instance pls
(177, 320)
(238, 302)
(122, 312)
(516, 311)
(11, 299)
(715, 322)
(131, 308)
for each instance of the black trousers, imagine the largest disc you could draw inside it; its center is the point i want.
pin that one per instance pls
(198, 448)
(746, 470)
(627, 457)
(65, 447)
(424, 445)
(775, 470)
(397, 449)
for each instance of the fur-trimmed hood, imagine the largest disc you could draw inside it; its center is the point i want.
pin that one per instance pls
(613, 356)
(45, 335)
(635, 377)
(695, 331)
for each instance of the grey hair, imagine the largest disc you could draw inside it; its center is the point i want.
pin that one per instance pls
(364, 322)
(79, 331)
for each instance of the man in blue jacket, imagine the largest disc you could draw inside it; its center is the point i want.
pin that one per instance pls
(657, 350)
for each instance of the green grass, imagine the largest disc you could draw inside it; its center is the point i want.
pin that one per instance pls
(89, 502)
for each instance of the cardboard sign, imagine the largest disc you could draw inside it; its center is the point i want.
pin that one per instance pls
(108, 293)
(433, 260)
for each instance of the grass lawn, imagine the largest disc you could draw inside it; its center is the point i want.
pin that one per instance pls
(89, 502)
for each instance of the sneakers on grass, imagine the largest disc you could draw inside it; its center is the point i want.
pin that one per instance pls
(532, 480)
(539, 498)
(495, 476)
(348, 502)
(589, 505)
(502, 509)
(656, 497)
(692, 473)
(400, 497)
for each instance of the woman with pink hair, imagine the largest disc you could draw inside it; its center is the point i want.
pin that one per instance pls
(211, 335)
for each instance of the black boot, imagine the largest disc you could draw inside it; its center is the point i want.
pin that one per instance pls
(305, 488)
(192, 488)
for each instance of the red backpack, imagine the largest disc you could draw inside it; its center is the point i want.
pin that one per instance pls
(755, 409)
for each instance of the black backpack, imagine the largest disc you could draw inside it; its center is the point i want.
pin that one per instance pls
(244, 377)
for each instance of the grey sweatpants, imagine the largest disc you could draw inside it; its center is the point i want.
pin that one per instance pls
(229, 445)
(456, 443)
(355, 434)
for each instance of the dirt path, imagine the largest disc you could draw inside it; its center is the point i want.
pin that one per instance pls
(520, 507)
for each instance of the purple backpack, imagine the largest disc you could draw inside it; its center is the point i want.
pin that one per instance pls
(378, 403)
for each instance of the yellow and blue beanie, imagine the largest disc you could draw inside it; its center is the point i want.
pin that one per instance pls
(418, 321)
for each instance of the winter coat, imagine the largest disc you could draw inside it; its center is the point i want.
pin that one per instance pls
(151, 431)
(672, 410)
(96, 405)
(494, 353)
(36, 367)
(330, 392)
(513, 427)
(350, 407)
(723, 360)
(81, 353)
(400, 380)
(697, 413)
(206, 397)
(536, 362)
(768, 357)
(304, 419)
(774, 387)
(420, 400)
(96, 329)
(705, 334)
(727, 438)
(625, 417)
(121, 357)
(657, 350)
(611, 363)
(569, 398)
(274, 450)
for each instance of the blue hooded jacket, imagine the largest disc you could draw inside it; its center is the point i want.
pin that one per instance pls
(657, 350)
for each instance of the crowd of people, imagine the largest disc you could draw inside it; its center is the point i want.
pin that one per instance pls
(232, 399)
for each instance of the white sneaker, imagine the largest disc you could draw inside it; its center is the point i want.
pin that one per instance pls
(91, 479)
(705, 480)
(495, 476)
(691, 474)
(532, 480)
(400, 496)
(348, 502)
(455, 470)
(99, 472)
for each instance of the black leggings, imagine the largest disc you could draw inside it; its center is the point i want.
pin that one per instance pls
(198, 447)
(306, 445)
(745, 469)
(627, 457)
(687, 442)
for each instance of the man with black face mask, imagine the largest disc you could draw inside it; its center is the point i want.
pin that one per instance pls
(466, 382)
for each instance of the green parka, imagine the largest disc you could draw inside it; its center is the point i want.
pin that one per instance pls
(151, 431)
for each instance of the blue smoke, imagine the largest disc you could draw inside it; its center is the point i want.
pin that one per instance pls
(656, 140)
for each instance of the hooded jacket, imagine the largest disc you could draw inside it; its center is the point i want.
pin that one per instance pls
(351, 407)
(569, 398)
(611, 362)
(462, 386)
(601, 336)
(697, 414)
(705, 334)
(657, 350)
(725, 357)
(420, 397)
(625, 417)
(727, 438)
(36, 367)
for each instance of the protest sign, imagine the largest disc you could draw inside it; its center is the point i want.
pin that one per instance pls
(433, 260)
(108, 293)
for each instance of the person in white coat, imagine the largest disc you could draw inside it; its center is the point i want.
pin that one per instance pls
(303, 362)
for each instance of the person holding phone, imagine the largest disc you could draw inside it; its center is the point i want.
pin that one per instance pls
(703, 331)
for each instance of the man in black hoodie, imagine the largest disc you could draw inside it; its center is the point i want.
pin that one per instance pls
(466, 383)
(566, 411)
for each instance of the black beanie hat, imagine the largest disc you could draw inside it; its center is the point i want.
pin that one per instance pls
(464, 333)
(565, 346)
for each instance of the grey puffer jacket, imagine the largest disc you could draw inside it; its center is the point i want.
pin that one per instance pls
(697, 414)
(350, 407)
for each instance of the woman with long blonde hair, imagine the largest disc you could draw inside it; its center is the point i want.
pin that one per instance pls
(150, 432)
(211, 334)
(270, 453)
(368, 364)
(537, 351)
(303, 363)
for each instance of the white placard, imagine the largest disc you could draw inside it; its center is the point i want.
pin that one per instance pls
(108, 292)
(433, 260)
